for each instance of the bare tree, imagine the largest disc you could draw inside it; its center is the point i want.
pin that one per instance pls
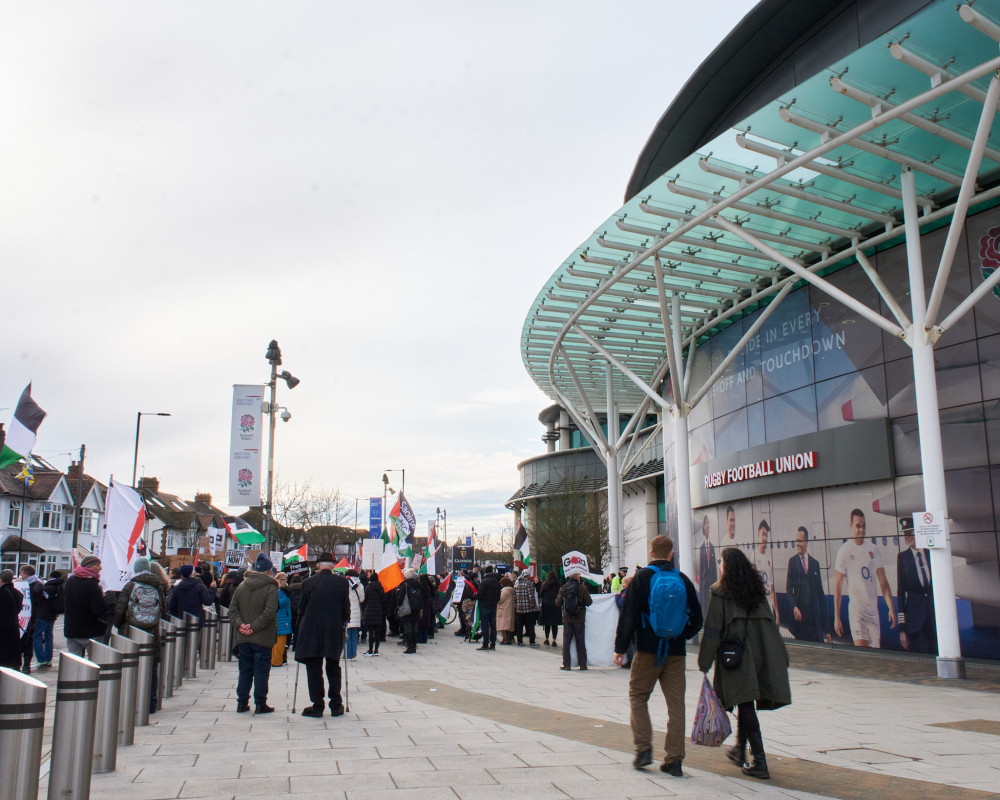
(317, 516)
(576, 520)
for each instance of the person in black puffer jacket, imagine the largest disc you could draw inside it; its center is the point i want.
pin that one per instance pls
(373, 614)
(489, 597)
(190, 596)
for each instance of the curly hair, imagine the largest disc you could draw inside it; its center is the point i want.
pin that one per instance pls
(740, 581)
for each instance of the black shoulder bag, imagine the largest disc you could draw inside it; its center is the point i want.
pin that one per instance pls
(731, 650)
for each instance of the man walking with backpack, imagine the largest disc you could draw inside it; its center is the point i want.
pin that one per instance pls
(142, 604)
(662, 612)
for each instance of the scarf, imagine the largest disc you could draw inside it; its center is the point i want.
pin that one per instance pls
(85, 572)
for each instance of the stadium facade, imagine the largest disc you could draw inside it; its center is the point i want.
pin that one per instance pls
(795, 320)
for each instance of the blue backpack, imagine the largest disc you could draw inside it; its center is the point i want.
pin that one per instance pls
(667, 616)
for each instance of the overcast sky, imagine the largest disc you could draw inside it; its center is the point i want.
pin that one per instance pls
(383, 187)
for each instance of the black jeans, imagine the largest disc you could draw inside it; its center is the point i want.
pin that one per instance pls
(255, 668)
(410, 630)
(314, 677)
(374, 636)
(525, 622)
(488, 623)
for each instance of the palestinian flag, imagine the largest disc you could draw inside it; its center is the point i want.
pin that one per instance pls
(241, 531)
(522, 548)
(297, 555)
(476, 621)
(342, 566)
(22, 431)
(445, 590)
(403, 520)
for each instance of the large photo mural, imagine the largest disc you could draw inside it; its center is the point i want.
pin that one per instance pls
(839, 560)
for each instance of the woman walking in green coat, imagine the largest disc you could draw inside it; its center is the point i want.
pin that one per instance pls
(738, 611)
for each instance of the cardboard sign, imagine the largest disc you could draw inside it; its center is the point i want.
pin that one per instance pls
(235, 558)
(297, 568)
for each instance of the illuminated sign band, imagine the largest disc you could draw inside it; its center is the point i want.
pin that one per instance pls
(762, 469)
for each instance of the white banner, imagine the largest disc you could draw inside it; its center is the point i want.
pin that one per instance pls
(24, 617)
(245, 445)
(124, 522)
(599, 631)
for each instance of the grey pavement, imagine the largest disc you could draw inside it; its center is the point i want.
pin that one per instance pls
(453, 721)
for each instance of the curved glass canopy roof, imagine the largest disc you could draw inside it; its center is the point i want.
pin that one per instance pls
(810, 181)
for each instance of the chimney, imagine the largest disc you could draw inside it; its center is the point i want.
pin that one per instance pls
(152, 484)
(203, 497)
(73, 472)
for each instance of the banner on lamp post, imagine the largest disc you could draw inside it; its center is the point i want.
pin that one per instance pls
(245, 445)
(374, 517)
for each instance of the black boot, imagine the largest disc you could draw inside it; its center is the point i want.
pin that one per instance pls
(758, 768)
(738, 753)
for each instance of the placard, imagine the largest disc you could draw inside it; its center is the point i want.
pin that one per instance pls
(930, 529)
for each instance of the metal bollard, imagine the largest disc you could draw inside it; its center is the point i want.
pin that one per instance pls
(143, 685)
(109, 694)
(22, 717)
(192, 625)
(225, 635)
(213, 638)
(168, 634)
(73, 730)
(205, 642)
(179, 650)
(130, 676)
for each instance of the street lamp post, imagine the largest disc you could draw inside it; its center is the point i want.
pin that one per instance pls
(386, 488)
(138, 421)
(273, 356)
(402, 488)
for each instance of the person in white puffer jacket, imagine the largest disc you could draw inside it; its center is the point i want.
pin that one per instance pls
(357, 595)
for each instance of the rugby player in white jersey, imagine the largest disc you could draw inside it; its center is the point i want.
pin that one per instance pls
(762, 561)
(860, 564)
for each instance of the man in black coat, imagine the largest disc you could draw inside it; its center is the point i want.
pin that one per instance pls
(489, 598)
(190, 596)
(804, 587)
(85, 607)
(10, 631)
(324, 611)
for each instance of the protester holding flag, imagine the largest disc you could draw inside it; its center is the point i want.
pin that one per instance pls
(373, 617)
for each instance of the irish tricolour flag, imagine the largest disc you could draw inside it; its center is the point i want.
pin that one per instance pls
(23, 428)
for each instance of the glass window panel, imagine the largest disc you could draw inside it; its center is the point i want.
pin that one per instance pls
(963, 440)
(703, 412)
(790, 414)
(957, 379)
(983, 252)
(860, 395)
(702, 444)
(843, 341)
(731, 433)
(786, 341)
(755, 424)
(751, 362)
(729, 392)
(989, 366)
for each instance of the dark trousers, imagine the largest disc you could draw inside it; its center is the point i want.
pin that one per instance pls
(555, 632)
(28, 647)
(410, 630)
(314, 677)
(255, 667)
(525, 622)
(374, 634)
(43, 641)
(488, 623)
(571, 631)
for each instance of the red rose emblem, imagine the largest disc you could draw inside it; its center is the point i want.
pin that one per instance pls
(989, 255)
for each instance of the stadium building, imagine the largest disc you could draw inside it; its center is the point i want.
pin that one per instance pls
(794, 320)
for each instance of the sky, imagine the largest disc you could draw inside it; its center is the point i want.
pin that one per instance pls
(383, 187)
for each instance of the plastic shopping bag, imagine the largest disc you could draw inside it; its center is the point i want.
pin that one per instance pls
(711, 722)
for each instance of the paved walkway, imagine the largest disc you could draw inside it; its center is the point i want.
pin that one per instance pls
(453, 722)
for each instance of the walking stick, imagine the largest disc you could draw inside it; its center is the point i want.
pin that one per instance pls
(347, 677)
(295, 693)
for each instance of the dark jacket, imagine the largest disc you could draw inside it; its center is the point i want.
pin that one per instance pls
(121, 607)
(85, 609)
(401, 593)
(805, 592)
(324, 611)
(551, 615)
(763, 673)
(585, 600)
(915, 601)
(489, 591)
(632, 621)
(255, 602)
(10, 631)
(230, 581)
(51, 587)
(373, 613)
(190, 596)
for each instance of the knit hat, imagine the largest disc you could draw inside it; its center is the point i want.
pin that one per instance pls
(186, 571)
(262, 564)
(90, 561)
(409, 573)
(141, 565)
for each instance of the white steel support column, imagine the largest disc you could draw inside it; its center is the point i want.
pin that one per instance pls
(950, 663)
(614, 478)
(684, 546)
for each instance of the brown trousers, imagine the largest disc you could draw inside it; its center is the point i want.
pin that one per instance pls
(643, 677)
